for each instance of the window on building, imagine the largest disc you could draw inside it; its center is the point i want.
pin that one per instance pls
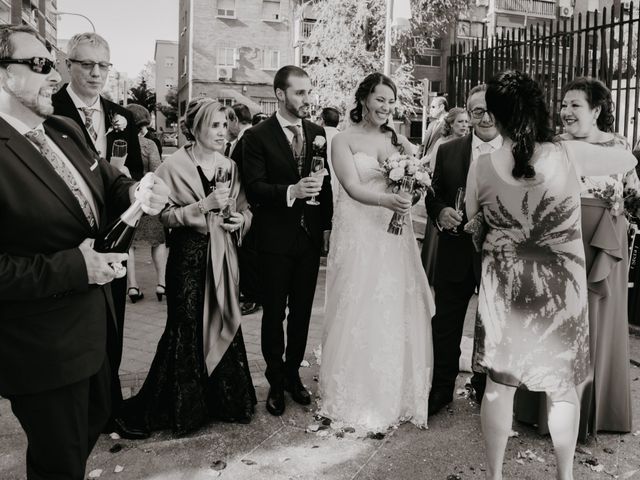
(428, 60)
(271, 59)
(227, 102)
(271, 10)
(435, 86)
(169, 82)
(227, 57)
(5, 11)
(227, 8)
(169, 61)
(469, 29)
(268, 105)
(435, 43)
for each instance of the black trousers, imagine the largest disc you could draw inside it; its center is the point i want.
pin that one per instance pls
(248, 259)
(62, 426)
(452, 300)
(287, 280)
(115, 336)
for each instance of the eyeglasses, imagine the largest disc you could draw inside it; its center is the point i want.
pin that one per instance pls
(478, 113)
(88, 65)
(37, 64)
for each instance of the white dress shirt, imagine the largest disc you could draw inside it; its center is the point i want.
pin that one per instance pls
(289, 134)
(22, 129)
(478, 146)
(98, 120)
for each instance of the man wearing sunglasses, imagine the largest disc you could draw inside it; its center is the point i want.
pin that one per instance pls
(55, 295)
(102, 123)
(457, 271)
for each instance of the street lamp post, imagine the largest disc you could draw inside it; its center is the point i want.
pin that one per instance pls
(93, 27)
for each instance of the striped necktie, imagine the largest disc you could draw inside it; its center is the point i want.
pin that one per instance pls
(88, 122)
(38, 139)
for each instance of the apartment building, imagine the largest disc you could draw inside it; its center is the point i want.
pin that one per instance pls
(166, 60)
(39, 14)
(231, 49)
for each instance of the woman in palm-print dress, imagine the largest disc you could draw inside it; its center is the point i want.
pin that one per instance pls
(532, 327)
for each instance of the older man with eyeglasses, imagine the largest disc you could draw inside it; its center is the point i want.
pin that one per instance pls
(102, 122)
(55, 298)
(457, 271)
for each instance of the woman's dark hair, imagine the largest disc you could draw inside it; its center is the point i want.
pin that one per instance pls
(366, 88)
(518, 106)
(598, 95)
(258, 117)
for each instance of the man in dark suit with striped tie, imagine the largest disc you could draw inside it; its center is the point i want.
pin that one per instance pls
(290, 234)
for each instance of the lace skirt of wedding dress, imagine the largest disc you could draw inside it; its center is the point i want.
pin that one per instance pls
(377, 355)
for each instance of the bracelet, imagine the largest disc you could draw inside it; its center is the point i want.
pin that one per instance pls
(201, 207)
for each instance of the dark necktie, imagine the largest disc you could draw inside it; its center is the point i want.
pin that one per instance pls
(88, 122)
(227, 149)
(296, 143)
(38, 138)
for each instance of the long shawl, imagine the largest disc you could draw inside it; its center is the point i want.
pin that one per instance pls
(221, 315)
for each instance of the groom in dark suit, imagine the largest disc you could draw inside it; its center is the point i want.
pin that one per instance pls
(55, 296)
(457, 271)
(290, 234)
(102, 122)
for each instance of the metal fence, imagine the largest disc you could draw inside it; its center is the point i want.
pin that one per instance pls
(598, 44)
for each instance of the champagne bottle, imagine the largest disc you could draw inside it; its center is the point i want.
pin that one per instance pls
(118, 236)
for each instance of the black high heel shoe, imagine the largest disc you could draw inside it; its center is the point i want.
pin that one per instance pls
(159, 292)
(136, 295)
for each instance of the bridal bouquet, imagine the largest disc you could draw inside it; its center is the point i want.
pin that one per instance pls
(406, 175)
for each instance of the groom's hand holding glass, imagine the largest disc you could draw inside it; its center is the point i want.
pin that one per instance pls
(307, 187)
(449, 218)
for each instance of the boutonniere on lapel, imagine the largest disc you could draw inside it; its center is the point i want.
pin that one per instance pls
(319, 145)
(118, 123)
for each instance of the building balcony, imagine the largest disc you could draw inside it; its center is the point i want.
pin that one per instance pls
(534, 8)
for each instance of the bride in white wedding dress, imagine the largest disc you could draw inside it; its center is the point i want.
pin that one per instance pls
(377, 351)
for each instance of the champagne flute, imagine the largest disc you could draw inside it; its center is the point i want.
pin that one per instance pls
(317, 165)
(228, 210)
(459, 206)
(118, 154)
(222, 177)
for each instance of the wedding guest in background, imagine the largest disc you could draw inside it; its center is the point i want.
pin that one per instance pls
(290, 234)
(55, 294)
(533, 327)
(258, 117)
(329, 120)
(200, 370)
(457, 270)
(150, 232)
(232, 131)
(102, 122)
(588, 115)
(456, 125)
(437, 112)
(247, 253)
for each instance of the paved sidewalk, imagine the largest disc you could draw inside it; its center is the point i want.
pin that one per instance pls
(288, 448)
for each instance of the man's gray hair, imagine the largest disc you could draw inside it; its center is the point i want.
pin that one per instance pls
(482, 87)
(88, 37)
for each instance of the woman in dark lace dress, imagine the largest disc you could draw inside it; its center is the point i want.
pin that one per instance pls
(200, 371)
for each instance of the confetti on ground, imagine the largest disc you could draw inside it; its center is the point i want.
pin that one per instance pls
(246, 461)
(95, 473)
(305, 364)
(114, 436)
(530, 455)
(118, 469)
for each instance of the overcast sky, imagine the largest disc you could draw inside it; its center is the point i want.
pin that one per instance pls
(130, 26)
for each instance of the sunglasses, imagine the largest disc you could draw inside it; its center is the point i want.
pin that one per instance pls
(37, 64)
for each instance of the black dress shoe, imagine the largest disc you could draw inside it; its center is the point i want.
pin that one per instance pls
(275, 401)
(131, 432)
(438, 400)
(247, 308)
(299, 394)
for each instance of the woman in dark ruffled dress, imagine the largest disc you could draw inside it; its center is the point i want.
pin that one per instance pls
(200, 371)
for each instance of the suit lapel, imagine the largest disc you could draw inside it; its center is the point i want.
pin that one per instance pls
(65, 107)
(26, 152)
(308, 140)
(77, 158)
(466, 156)
(283, 143)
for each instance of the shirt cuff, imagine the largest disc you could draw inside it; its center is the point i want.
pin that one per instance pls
(290, 198)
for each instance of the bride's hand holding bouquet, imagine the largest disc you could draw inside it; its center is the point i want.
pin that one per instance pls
(409, 177)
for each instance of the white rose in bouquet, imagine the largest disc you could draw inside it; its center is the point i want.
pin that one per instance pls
(396, 174)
